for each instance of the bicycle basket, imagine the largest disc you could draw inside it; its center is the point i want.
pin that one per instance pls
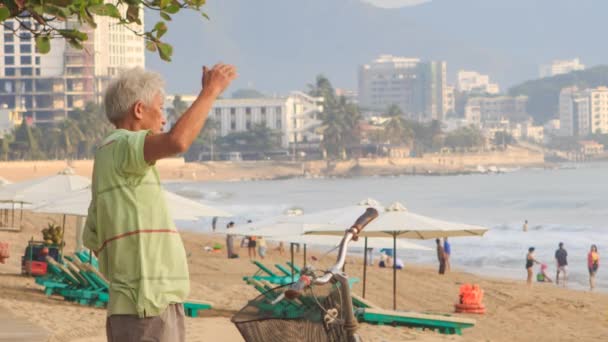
(296, 320)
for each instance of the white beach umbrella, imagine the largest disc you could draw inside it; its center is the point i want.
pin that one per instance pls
(181, 208)
(77, 204)
(41, 190)
(397, 222)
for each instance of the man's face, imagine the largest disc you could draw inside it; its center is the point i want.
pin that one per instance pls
(152, 116)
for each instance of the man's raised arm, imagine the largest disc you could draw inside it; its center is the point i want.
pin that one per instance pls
(189, 125)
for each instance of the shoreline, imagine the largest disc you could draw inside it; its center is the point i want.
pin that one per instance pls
(176, 169)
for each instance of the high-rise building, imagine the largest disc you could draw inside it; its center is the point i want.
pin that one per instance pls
(559, 67)
(50, 86)
(583, 112)
(418, 88)
(474, 82)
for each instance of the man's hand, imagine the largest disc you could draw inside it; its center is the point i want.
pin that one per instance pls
(218, 78)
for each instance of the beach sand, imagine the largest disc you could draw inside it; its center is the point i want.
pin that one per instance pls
(514, 311)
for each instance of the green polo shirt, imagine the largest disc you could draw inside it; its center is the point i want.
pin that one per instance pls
(128, 225)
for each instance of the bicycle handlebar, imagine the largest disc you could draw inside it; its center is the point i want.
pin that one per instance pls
(351, 234)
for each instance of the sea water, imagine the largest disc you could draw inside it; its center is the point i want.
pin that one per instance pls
(566, 204)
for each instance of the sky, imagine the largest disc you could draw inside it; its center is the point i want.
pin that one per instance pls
(395, 3)
(282, 45)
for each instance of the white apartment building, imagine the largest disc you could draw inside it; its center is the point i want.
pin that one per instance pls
(295, 116)
(560, 67)
(583, 112)
(418, 88)
(474, 82)
(49, 86)
(479, 110)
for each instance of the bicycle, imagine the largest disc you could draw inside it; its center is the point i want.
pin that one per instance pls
(309, 309)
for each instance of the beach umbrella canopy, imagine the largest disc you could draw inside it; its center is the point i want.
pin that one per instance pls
(397, 221)
(40, 190)
(181, 208)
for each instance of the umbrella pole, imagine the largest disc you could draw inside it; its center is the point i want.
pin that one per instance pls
(291, 251)
(394, 271)
(13, 216)
(364, 266)
(304, 255)
(62, 232)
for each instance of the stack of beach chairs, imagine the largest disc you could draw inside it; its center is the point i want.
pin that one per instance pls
(77, 279)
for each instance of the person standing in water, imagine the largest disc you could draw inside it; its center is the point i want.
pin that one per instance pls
(525, 227)
(593, 262)
(530, 260)
(561, 257)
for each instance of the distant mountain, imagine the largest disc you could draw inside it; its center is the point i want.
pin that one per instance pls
(280, 45)
(543, 94)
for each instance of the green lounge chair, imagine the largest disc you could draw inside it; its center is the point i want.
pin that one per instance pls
(193, 307)
(443, 324)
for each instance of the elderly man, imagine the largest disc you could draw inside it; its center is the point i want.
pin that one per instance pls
(128, 226)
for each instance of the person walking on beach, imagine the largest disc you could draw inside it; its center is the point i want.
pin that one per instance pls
(561, 257)
(593, 262)
(525, 227)
(128, 225)
(440, 256)
(252, 247)
(530, 261)
(213, 223)
(447, 251)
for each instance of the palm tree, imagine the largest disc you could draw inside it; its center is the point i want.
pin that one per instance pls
(397, 129)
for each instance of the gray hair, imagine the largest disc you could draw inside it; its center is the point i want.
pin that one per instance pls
(127, 88)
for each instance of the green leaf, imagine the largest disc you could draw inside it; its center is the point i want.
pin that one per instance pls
(165, 16)
(165, 51)
(164, 3)
(160, 28)
(73, 34)
(75, 44)
(205, 16)
(173, 8)
(43, 44)
(151, 46)
(4, 13)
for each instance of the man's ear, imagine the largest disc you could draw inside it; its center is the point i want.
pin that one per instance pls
(138, 110)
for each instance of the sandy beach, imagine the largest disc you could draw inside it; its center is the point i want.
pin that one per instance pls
(514, 311)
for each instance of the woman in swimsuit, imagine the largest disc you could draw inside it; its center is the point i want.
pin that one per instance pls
(593, 262)
(530, 260)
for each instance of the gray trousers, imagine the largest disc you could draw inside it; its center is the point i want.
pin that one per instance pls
(168, 327)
